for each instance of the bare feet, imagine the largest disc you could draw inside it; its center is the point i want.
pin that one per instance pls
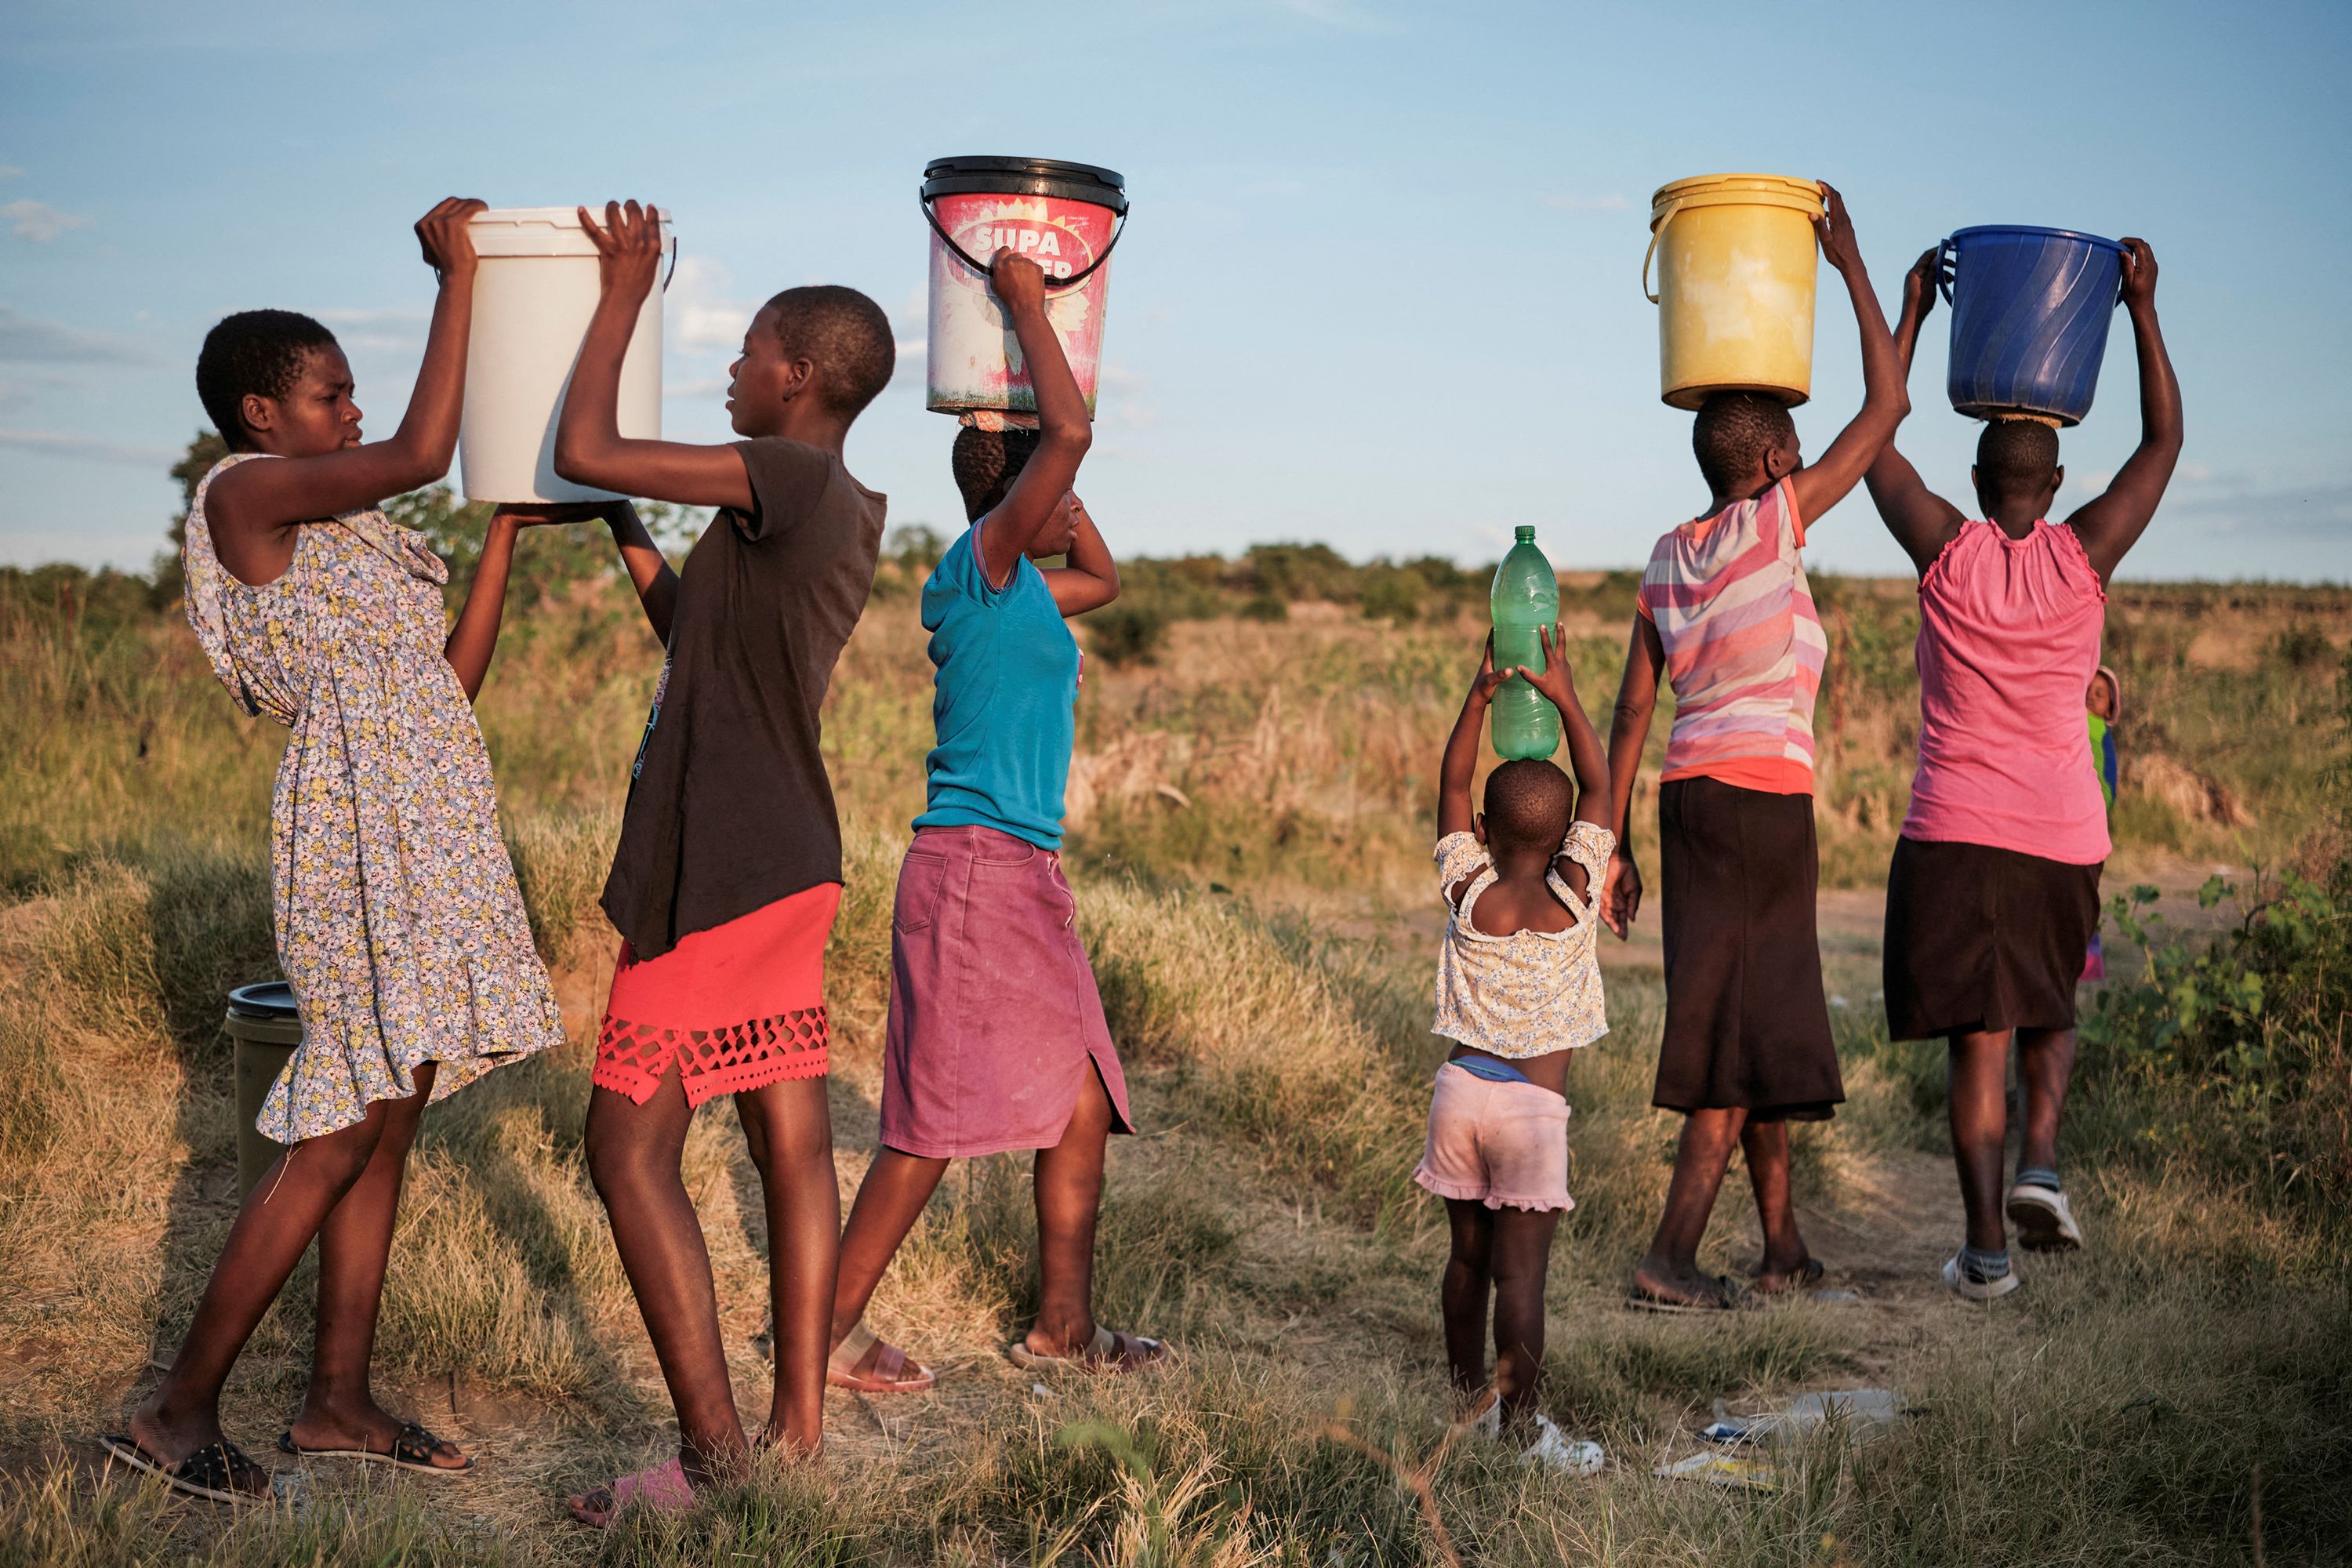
(1678, 1286)
(367, 1427)
(1773, 1277)
(173, 1435)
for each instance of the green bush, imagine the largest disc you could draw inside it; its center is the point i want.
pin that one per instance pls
(1126, 632)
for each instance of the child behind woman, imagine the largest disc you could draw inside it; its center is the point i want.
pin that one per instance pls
(1519, 988)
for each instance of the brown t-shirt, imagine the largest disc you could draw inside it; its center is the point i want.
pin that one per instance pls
(729, 808)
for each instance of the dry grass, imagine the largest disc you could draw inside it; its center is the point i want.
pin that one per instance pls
(2115, 1412)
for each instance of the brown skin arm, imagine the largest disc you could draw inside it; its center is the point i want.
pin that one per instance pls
(1586, 760)
(1629, 731)
(1885, 402)
(2111, 525)
(589, 447)
(649, 571)
(1460, 762)
(1089, 578)
(475, 636)
(1027, 515)
(253, 506)
(1921, 521)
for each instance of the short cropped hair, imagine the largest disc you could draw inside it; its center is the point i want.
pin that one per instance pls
(846, 334)
(1528, 803)
(2016, 457)
(986, 464)
(1732, 433)
(257, 353)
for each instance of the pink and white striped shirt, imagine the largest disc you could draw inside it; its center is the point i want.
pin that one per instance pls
(1744, 644)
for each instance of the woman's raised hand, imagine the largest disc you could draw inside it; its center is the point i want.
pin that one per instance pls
(446, 235)
(628, 248)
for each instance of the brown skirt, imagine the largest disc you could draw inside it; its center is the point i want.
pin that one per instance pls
(1747, 1024)
(1981, 940)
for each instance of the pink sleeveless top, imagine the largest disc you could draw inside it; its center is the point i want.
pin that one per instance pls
(2009, 639)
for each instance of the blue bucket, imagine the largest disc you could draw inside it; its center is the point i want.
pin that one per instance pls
(2030, 314)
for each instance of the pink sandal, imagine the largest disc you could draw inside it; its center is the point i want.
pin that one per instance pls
(663, 1488)
(893, 1371)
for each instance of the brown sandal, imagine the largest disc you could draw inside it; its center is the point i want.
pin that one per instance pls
(893, 1371)
(1112, 1350)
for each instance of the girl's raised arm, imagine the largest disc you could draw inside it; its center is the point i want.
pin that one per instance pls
(252, 502)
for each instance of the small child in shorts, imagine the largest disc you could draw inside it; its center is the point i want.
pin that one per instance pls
(1519, 988)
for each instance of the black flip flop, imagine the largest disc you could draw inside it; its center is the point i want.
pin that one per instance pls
(1641, 1300)
(210, 1473)
(412, 1450)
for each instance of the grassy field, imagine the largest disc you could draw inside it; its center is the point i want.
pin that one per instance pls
(1257, 745)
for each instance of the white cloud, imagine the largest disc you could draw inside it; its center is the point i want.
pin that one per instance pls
(58, 445)
(11, 172)
(29, 338)
(38, 221)
(1614, 202)
(706, 317)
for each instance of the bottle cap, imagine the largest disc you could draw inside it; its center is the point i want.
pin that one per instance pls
(1525, 533)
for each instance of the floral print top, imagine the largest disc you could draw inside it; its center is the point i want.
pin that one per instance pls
(1533, 992)
(400, 926)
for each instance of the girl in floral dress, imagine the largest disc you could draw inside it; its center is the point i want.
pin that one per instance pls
(399, 924)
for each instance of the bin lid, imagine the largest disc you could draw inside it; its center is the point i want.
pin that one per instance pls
(270, 999)
(991, 175)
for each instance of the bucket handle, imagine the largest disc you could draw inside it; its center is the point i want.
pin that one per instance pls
(673, 264)
(1947, 255)
(1080, 276)
(1657, 232)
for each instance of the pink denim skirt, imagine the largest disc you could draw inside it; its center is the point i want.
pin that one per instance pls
(994, 1017)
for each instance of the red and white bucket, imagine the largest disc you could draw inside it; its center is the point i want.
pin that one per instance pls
(1064, 216)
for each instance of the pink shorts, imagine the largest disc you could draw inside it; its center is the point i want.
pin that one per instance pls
(1502, 1144)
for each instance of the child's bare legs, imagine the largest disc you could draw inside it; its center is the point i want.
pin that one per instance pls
(789, 1128)
(1766, 1145)
(340, 1411)
(1522, 1255)
(1670, 1270)
(1508, 1252)
(286, 1208)
(1070, 1179)
(633, 1157)
(1462, 1291)
(2045, 1062)
(1979, 1095)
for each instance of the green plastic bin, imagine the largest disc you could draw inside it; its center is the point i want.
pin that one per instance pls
(264, 1026)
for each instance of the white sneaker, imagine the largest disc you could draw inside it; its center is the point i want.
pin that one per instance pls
(1556, 1452)
(2044, 1223)
(1957, 1281)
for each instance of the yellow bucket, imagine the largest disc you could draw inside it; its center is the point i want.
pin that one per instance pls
(1736, 263)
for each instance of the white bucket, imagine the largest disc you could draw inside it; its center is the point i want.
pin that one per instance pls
(534, 294)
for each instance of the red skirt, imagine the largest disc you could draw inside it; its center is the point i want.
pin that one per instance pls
(737, 1008)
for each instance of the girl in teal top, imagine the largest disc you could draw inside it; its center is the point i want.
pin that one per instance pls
(996, 1040)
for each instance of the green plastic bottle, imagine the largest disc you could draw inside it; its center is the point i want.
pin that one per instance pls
(1526, 600)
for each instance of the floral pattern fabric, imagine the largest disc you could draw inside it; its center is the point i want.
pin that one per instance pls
(1532, 992)
(400, 926)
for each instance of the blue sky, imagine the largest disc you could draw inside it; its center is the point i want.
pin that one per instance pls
(1381, 285)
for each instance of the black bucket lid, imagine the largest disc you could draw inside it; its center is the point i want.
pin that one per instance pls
(270, 999)
(1024, 177)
